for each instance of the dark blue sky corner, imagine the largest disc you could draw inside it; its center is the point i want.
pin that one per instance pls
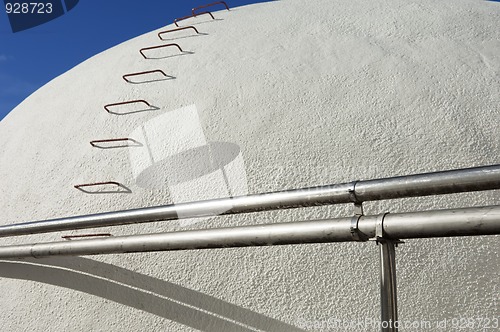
(70, 4)
(30, 58)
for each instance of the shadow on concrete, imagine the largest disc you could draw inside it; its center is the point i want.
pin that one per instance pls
(106, 189)
(183, 23)
(202, 160)
(142, 292)
(168, 56)
(169, 78)
(207, 21)
(184, 37)
(148, 78)
(150, 109)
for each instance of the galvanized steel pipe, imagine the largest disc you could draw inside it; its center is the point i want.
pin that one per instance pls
(439, 223)
(437, 183)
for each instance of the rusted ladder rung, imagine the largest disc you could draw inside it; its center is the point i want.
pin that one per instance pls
(144, 72)
(192, 15)
(159, 46)
(78, 186)
(94, 143)
(69, 237)
(122, 189)
(178, 29)
(126, 103)
(210, 5)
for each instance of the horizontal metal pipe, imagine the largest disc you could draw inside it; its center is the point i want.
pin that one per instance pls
(275, 234)
(444, 223)
(437, 183)
(470, 221)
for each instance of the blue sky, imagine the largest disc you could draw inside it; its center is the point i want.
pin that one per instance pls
(31, 58)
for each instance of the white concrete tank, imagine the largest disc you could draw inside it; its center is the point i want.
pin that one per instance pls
(288, 94)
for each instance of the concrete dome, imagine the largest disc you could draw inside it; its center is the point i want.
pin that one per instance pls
(285, 94)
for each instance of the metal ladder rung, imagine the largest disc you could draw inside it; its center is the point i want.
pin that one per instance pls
(95, 143)
(192, 15)
(210, 5)
(178, 29)
(96, 184)
(159, 46)
(106, 107)
(143, 73)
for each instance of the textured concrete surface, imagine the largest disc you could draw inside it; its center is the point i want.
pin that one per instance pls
(297, 93)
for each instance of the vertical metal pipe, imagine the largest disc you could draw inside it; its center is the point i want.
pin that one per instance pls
(388, 295)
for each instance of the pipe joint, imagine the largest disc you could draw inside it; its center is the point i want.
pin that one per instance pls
(352, 192)
(358, 204)
(380, 233)
(355, 232)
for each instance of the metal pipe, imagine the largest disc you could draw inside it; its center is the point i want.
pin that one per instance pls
(443, 223)
(388, 294)
(437, 183)
(258, 235)
(478, 221)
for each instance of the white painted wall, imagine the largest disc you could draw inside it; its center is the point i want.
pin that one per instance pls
(297, 93)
